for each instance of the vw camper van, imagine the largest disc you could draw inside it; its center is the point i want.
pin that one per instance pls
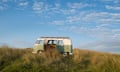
(62, 44)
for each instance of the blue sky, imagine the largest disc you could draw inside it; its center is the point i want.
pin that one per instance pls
(91, 24)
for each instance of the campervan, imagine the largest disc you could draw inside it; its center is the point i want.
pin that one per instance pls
(62, 44)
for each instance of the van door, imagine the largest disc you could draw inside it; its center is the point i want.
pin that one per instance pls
(39, 45)
(51, 45)
(60, 46)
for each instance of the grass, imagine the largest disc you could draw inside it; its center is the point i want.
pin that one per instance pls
(22, 60)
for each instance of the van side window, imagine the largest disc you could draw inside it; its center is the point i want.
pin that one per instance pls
(60, 42)
(52, 41)
(55, 42)
(49, 41)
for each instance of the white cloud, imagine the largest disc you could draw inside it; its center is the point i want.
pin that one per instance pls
(73, 19)
(40, 7)
(58, 22)
(57, 5)
(102, 17)
(2, 44)
(68, 11)
(1, 8)
(105, 24)
(16, 43)
(70, 8)
(85, 17)
(77, 5)
(116, 33)
(20, 44)
(74, 8)
(4, 0)
(23, 3)
(51, 9)
(99, 31)
(78, 29)
(113, 7)
(111, 45)
(111, 1)
(37, 6)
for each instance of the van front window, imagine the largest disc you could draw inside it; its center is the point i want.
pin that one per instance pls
(39, 42)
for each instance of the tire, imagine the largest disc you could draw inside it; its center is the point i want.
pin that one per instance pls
(39, 52)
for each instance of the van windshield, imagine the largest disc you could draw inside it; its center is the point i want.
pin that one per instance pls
(39, 42)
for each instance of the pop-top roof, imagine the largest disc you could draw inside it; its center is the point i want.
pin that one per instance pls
(57, 37)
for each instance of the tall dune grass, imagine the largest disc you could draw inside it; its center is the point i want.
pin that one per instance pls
(22, 60)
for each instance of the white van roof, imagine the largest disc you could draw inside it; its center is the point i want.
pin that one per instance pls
(57, 37)
(66, 40)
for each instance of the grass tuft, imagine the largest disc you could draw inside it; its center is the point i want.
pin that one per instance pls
(22, 60)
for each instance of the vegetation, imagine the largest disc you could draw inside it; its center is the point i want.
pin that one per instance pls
(22, 60)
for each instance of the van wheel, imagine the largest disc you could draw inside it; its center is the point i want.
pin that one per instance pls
(66, 54)
(39, 52)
